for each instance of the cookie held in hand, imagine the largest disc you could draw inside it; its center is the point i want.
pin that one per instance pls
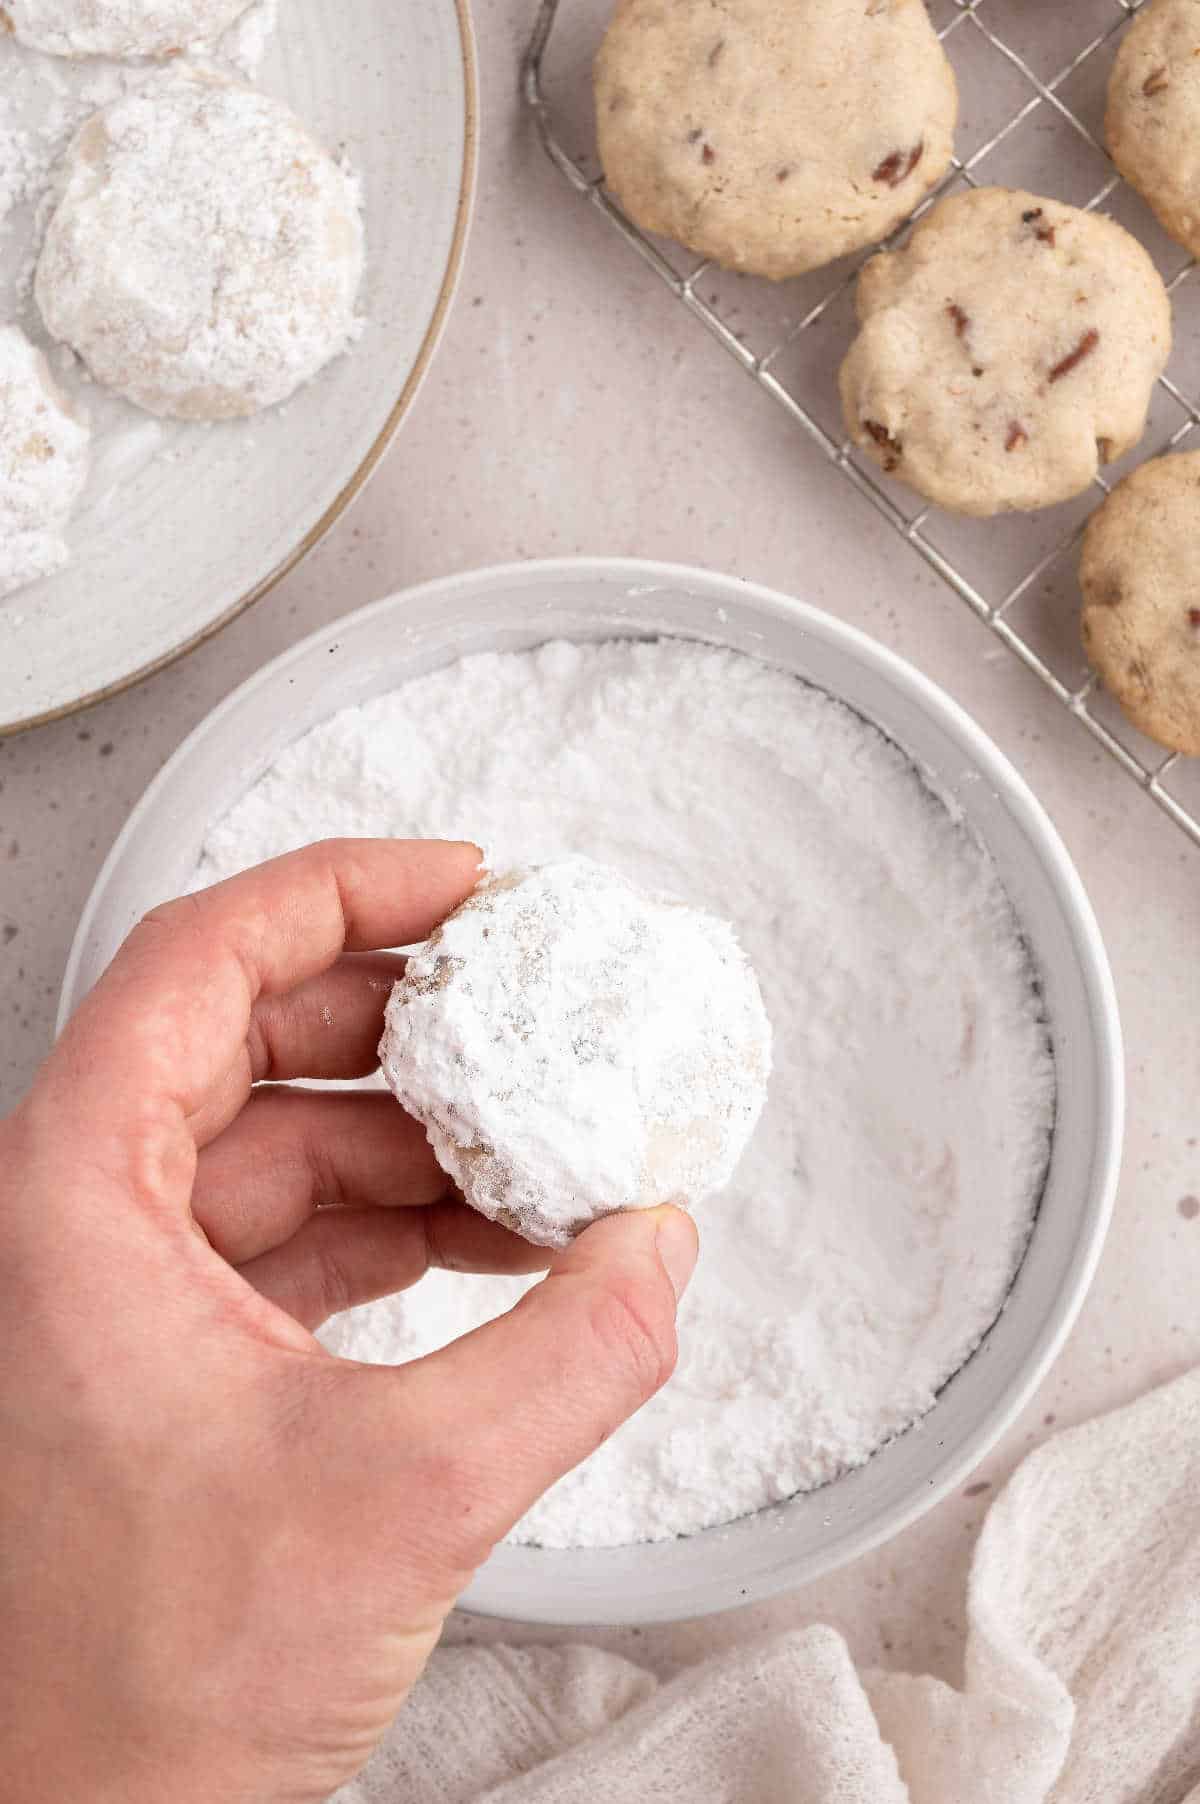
(574, 1046)
(1006, 352)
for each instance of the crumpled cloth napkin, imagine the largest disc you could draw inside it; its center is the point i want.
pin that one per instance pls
(1082, 1673)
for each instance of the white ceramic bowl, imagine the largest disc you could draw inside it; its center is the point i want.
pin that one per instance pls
(522, 605)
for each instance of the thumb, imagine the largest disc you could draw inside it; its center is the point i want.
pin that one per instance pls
(496, 1417)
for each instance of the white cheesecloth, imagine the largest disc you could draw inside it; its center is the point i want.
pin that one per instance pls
(1082, 1673)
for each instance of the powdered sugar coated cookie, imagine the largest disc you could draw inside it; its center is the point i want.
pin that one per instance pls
(119, 28)
(574, 1045)
(205, 255)
(43, 463)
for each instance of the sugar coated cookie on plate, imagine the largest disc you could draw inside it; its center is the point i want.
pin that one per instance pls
(43, 463)
(1006, 352)
(773, 135)
(1139, 571)
(205, 254)
(574, 1046)
(1153, 118)
(119, 28)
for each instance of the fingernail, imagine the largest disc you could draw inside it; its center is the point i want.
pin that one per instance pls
(678, 1247)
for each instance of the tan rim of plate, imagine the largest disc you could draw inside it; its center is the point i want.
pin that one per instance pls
(358, 481)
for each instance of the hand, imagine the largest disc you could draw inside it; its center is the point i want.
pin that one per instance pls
(225, 1555)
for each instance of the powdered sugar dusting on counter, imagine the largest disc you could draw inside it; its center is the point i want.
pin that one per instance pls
(873, 1228)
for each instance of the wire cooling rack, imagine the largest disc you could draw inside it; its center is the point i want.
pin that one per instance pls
(1032, 79)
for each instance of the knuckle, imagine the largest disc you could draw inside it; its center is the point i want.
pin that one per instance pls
(460, 1516)
(163, 932)
(637, 1336)
(330, 856)
(163, 914)
(450, 1478)
(329, 1187)
(439, 1252)
(335, 1287)
(260, 1047)
(183, 911)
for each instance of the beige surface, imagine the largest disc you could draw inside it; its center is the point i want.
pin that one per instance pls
(573, 408)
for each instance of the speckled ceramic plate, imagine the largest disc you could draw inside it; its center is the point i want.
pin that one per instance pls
(183, 527)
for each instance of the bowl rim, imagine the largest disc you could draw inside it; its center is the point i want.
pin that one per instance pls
(357, 481)
(639, 576)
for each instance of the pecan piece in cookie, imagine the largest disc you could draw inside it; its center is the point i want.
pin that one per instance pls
(1045, 234)
(885, 441)
(898, 166)
(1073, 359)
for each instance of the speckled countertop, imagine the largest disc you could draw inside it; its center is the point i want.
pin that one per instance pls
(573, 409)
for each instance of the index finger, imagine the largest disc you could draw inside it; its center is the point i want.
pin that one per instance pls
(171, 1013)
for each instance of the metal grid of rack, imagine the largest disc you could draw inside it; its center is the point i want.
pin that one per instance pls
(1032, 82)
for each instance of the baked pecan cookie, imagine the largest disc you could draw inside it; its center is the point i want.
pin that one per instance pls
(773, 135)
(1153, 118)
(1006, 352)
(1140, 575)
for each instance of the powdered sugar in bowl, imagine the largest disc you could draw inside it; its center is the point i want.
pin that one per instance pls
(381, 648)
